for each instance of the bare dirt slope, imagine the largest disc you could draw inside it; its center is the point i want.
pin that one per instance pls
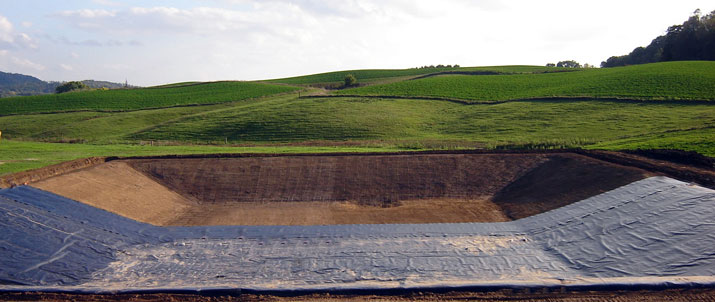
(370, 179)
(561, 181)
(116, 187)
(340, 189)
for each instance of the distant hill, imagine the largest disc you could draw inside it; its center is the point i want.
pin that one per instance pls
(14, 84)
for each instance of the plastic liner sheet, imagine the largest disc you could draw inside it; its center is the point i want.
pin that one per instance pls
(654, 231)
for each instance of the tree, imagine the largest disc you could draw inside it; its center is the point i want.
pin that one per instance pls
(71, 86)
(568, 64)
(550, 65)
(350, 80)
(692, 40)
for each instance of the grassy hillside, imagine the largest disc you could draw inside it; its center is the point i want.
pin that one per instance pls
(693, 80)
(132, 99)
(376, 75)
(104, 122)
(405, 122)
(19, 156)
(516, 124)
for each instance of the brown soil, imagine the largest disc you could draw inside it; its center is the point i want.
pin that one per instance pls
(540, 295)
(326, 213)
(116, 187)
(341, 189)
(561, 181)
(371, 180)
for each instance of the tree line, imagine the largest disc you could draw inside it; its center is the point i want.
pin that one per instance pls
(692, 40)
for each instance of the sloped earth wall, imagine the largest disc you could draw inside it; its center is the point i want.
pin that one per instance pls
(333, 189)
(653, 232)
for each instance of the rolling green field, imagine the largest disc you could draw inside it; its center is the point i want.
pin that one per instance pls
(377, 75)
(133, 99)
(19, 156)
(251, 117)
(693, 80)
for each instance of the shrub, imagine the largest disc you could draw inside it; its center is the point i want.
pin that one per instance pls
(350, 80)
(71, 86)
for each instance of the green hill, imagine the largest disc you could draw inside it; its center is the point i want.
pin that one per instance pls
(692, 80)
(141, 98)
(371, 76)
(274, 120)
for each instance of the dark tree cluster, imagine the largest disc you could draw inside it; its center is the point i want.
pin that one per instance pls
(71, 86)
(693, 40)
(438, 66)
(568, 64)
(349, 80)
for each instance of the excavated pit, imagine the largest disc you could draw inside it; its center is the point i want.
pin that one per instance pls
(340, 189)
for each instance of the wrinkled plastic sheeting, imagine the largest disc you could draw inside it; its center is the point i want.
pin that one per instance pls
(657, 227)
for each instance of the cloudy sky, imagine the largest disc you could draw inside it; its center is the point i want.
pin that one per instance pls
(165, 41)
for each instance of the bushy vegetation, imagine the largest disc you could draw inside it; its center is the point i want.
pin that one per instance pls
(71, 86)
(693, 40)
(692, 80)
(132, 99)
(350, 80)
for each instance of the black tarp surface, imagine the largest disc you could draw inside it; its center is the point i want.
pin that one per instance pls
(654, 231)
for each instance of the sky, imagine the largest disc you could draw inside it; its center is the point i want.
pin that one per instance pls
(161, 41)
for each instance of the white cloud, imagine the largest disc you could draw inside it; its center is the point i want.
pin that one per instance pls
(142, 21)
(25, 64)
(9, 39)
(6, 30)
(106, 3)
(66, 67)
(92, 42)
(251, 39)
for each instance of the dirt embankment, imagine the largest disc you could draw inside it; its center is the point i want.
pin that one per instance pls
(561, 181)
(341, 189)
(380, 180)
(116, 187)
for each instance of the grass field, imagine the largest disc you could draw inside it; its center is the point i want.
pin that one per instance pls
(289, 119)
(133, 99)
(518, 124)
(245, 117)
(661, 81)
(19, 156)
